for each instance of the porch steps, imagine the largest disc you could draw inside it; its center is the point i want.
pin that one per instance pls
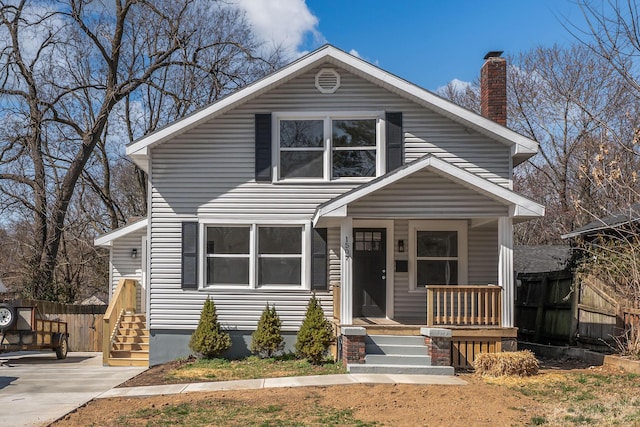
(397, 354)
(130, 346)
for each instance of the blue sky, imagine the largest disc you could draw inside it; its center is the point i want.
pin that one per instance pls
(428, 42)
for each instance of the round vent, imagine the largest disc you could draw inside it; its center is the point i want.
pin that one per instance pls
(327, 80)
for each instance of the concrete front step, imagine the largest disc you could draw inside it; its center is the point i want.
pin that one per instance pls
(397, 369)
(413, 350)
(397, 359)
(394, 340)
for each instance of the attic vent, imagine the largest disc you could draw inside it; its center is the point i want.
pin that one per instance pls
(327, 80)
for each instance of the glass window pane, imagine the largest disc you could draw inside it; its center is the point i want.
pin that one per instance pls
(280, 240)
(227, 240)
(348, 163)
(228, 271)
(301, 133)
(437, 244)
(301, 164)
(354, 133)
(437, 272)
(279, 271)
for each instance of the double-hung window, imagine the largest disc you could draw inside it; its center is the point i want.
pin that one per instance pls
(439, 253)
(328, 147)
(254, 256)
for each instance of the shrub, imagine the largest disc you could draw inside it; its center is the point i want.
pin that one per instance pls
(315, 335)
(520, 363)
(209, 340)
(267, 339)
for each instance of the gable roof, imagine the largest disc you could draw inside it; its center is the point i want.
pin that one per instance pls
(521, 147)
(522, 207)
(107, 239)
(622, 218)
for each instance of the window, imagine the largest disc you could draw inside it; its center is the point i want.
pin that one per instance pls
(228, 256)
(279, 256)
(254, 256)
(328, 148)
(438, 251)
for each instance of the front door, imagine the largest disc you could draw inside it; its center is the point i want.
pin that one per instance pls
(369, 271)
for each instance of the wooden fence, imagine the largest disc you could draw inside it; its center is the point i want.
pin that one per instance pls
(552, 308)
(84, 322)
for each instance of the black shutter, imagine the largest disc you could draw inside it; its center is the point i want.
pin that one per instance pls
(319, 259)
(189, 255)
(395, 141)
(263, 147)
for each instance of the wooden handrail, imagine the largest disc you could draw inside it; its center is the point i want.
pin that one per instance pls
(124, 298)
(464, 305)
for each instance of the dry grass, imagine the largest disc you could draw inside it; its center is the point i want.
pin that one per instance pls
(519, 363)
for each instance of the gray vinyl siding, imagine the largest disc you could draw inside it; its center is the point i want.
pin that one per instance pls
(208, 172)
(483, 255)
(426, 195)
(122, 265)
(482, 267)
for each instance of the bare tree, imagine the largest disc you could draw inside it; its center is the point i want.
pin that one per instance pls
(65, 68)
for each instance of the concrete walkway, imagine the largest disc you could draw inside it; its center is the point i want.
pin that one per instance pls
(317, 380)
(37, 389)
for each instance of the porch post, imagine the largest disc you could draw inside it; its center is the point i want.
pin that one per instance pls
(505, 269)
(346, 260)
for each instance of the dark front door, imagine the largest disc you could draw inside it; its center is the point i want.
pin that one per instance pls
(369, 270)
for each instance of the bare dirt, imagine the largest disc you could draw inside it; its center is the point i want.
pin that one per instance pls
(480, 402)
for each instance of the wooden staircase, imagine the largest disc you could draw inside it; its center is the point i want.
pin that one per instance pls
(130, 346)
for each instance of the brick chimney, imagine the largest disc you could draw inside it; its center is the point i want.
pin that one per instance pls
(493, 88)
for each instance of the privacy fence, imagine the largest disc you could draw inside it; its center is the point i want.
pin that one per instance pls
(84, 322)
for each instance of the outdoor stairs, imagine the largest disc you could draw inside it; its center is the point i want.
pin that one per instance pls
(397, 354)
(131, 343)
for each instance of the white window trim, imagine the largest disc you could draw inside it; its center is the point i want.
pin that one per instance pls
(461, 226)
(327, 117)
(253, 253)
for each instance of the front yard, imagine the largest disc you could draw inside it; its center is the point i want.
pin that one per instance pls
(564, 393)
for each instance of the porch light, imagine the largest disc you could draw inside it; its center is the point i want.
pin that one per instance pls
(134, 253)
(400, 245)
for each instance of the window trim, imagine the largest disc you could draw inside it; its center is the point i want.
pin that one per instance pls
(305, 277)
(327, 149)
(460, 226)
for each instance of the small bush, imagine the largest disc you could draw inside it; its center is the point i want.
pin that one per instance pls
(520, 363)
(209, 340)
(315, 335)
(267, 339)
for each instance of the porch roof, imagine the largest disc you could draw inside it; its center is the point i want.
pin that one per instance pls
(519, 206)
(107, 239)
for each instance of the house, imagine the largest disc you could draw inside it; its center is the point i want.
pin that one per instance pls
(331, 176)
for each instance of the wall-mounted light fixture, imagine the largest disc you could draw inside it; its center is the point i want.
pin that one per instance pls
(400, 245)
(134, 253)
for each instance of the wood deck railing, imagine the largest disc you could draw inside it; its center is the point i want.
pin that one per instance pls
(462, 305)
(124, 298)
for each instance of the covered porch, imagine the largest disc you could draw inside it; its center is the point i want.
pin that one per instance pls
(427, 247)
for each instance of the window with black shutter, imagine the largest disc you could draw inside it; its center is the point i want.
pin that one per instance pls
(189, 255)
(319, 259)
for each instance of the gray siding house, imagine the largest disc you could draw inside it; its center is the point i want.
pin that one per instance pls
(330, 176)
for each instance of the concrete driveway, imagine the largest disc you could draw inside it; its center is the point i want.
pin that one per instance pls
(37, 389)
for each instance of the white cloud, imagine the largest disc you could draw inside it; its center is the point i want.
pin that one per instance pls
(458, 85)
(354, 53)
(283, 23)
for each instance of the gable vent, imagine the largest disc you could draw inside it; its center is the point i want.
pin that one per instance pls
(327, 80)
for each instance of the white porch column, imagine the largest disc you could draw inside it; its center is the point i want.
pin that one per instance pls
(346, 262)
(505, 269)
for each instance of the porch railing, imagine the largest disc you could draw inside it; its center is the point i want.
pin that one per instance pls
(458, 305)
(124, 298)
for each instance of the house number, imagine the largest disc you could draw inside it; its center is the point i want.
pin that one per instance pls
(347, 247)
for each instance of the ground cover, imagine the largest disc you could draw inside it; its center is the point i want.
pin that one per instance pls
(563, 393)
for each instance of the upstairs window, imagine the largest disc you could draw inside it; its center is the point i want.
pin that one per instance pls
(328, 148)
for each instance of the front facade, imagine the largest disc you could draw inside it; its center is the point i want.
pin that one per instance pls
(331, 177)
